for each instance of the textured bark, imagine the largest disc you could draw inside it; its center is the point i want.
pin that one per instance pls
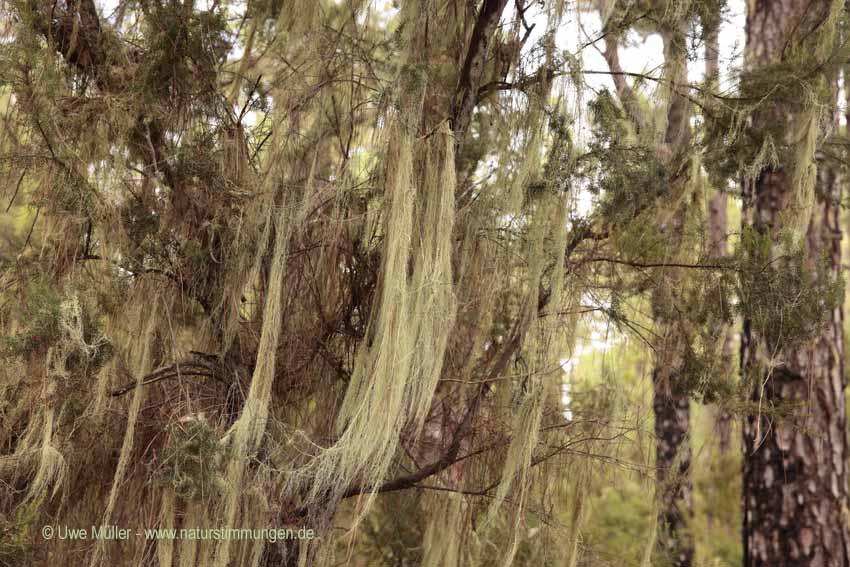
(472, 71)
(795, 470)
(673, 464)
(795, 473)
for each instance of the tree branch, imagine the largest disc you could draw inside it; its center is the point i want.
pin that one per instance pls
(471, 73)
(175, 370)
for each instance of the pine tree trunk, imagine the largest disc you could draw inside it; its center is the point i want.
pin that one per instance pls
(795, 474)
(671, 406)
(795, 470)
(673, 463)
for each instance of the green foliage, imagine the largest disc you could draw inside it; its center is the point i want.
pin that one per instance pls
(785, 295)
(717, 495)
(557, 175)
(183, 52)
(412, 80)
(620, 524)
(621, 507)
(189, 463)
(72, 197)
(15, 533)
(39, 316)
(702, 309)
(625, 173)
(768, 95)
(140, 220)
(393, 533)
(700, 374)
(710, 13)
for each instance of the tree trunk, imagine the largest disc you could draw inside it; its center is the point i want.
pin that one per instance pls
(795, 474)
(673, 463)
(795, 470)
(717, 233)
(671, 406)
